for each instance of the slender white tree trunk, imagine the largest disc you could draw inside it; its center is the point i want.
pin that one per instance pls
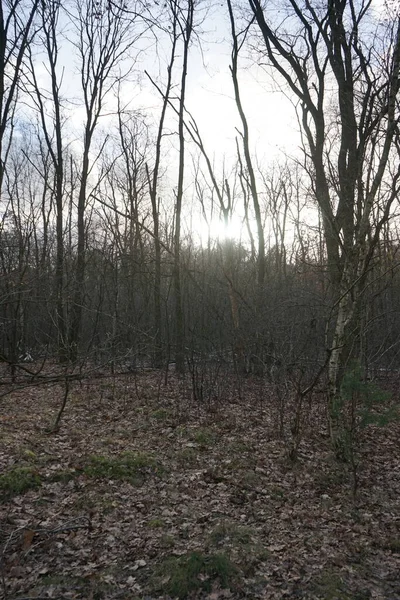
(338, 353)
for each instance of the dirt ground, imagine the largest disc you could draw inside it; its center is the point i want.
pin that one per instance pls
(145, 493)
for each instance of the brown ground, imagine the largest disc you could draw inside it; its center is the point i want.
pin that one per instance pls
(217, 480)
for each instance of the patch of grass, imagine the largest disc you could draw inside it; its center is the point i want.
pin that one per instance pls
(129, 466)
(261, 553)
(167, 541)
(187, 457)
(61, 580)
(85, 587)
(161, 414)
(204, 437)
(241, 542)
(107, 505)
(328, 480)
(239, 447)
(330, 586)
(85, 502)
(276, 492)
(64, 476)
(155, 523)
(29, 455)
(180, 576)
(392, 544)
(230, 532)
(18, 481)
(249, 478)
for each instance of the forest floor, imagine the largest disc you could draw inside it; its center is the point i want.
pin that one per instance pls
(143, 493)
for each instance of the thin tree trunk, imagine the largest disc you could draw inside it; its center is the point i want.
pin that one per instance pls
(186, 29)
(78, 297)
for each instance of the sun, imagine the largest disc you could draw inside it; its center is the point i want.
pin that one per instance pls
(217, 231)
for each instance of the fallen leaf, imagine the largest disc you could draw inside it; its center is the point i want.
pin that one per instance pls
(28, 536)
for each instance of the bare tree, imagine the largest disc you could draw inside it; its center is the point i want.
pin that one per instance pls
(16, 33)
(238, 39)
(183, 15)
(153, 183)
(335, 65)
(52, 129)
(16, 248)
(105, 34)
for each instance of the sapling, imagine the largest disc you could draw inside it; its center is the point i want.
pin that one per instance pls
(361, 403)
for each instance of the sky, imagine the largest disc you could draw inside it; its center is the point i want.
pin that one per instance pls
(271, 117)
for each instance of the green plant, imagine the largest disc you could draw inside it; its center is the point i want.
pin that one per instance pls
(83, 587)
(167, 541)
(330, 586)
(161, 414)
(240, 447)
(361, 403)
(329, 478)
(242, 545)
(62, 580)
(29, 455)
(276, 492)
(18, 481)
(128, 466)
(370, 401)
(392, 544)
(64, 476)
(107, 505)
(204, 437)
(230, 532)
(155, 523)
(180, 576)
(248, 478)
(187, 457)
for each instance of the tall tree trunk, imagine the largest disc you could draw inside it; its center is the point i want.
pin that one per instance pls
(153, 189)
(186, 31)
(79, 284)
(252, 186)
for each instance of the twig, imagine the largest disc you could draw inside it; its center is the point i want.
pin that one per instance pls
(3, 579)
(56, 425)
(63, 528)
(67, 527)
